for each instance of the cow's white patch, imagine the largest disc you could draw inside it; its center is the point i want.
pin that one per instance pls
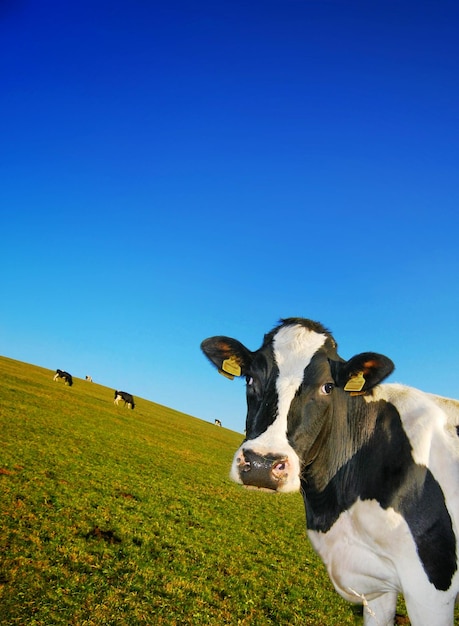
(368, 552)
(426, 419)
(294, 347)
(360, 549)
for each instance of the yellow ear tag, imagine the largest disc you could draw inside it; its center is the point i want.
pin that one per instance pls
(355, 383)
(231, 366)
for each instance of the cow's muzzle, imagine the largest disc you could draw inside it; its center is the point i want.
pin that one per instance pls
(264, 472)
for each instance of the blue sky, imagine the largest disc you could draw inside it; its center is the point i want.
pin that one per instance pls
(176, 170)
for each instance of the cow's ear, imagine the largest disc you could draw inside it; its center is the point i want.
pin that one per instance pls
(363, 371)
(228, 355)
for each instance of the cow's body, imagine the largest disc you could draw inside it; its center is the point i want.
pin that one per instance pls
(124, 397)
(65, 376)
(378, 466)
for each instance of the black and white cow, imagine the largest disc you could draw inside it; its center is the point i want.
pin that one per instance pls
(125, 397)
(377, 465)
(65, 376)
(217, 423)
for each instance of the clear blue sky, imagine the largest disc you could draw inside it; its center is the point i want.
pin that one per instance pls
(175, 170)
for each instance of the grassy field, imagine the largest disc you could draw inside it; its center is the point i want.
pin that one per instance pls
(112, 516)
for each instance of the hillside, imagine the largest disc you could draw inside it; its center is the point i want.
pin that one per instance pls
(112, 516)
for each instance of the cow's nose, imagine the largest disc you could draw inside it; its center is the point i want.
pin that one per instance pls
(267, 472)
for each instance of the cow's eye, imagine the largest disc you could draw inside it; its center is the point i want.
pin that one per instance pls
(249, 381)
(327, 388)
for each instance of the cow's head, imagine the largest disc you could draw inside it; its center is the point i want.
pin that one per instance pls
(293, 382)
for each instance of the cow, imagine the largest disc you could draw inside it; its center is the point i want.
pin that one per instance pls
(217, 423)
(377, 466)
(88, 378)
(125, 397)
(65, 376)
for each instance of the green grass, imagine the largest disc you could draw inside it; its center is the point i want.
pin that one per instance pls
(112, 516)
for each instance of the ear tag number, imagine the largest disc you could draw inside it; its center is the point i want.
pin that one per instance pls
(231, 366)
(355, 383)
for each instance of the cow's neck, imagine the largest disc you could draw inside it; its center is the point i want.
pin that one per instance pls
(344, 431)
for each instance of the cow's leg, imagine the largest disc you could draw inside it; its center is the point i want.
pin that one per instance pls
(428, 611)
(381, 610)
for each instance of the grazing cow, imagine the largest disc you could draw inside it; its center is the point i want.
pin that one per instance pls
(88, 379)
(377, 465)
(218, 423)
(125, 397)
(65, 376)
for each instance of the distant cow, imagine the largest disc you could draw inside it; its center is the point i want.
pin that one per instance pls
(65, 376)
(125, 397)
(377, 465)
(218, 423)
(88, 379)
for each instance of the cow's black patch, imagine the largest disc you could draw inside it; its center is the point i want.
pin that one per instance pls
(262, 398)
(430, 524)
(384, 470)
